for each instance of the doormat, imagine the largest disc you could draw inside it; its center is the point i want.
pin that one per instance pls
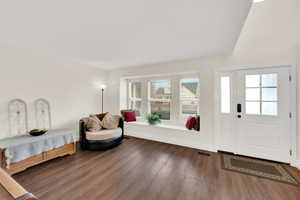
(259, 168)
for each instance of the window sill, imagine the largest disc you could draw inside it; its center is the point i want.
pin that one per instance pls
(162, 125)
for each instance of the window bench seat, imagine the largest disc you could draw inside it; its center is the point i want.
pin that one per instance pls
(168, 133)
(163, 125)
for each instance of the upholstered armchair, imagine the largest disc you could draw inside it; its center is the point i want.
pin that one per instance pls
(103, 139)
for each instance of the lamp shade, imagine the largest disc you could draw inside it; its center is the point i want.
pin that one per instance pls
(103, 86)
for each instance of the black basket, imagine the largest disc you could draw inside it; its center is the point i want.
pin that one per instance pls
(36, 132)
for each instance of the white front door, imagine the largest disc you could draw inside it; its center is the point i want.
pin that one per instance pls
(254, 117)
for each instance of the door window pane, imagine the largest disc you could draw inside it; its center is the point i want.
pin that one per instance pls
(253, 80)
(269, 94)
(269, 108)
(161, 108)
(269, 80)
(252, 94)
(253, 108)
(261, 94)
(160, 89)
(225, 94)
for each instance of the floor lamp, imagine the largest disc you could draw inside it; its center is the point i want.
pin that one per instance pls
(102, 95)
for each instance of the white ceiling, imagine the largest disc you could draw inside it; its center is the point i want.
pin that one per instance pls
(110, 34)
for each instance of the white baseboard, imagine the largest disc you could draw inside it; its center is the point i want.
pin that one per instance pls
(296, 163)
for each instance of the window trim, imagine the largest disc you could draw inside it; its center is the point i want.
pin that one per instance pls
(175, 113)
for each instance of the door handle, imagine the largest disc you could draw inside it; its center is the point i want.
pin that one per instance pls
(239, 108)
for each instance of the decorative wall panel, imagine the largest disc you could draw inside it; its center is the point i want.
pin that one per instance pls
(18, 117)
(42, 114)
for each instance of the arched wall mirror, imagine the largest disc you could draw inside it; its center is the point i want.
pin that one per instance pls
(18, 117)
(42, 114)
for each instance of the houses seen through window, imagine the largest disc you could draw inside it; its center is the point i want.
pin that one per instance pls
(189, 96)
(160, 98)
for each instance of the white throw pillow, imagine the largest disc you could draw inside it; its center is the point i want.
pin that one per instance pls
(93, 124)
(110, 121)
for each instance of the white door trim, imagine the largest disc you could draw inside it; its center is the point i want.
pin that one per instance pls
(293, 106)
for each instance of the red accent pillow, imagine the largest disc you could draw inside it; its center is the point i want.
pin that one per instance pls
(190, 122)
(130, 116)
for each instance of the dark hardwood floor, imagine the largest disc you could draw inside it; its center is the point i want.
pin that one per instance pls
(143, 170)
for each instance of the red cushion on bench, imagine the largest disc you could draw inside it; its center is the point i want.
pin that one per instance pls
(130, 116)
(190, 123)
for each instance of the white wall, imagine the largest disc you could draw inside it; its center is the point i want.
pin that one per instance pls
(298, 99)
(206, 68)
(272, 27)
(70, 88)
